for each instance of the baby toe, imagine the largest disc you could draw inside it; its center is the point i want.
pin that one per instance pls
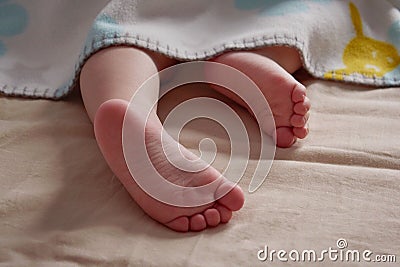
(300, 132)
(299, 93)
(224, 213)
(299, 120)
(198, 222)
(212, 217)
(301, 108)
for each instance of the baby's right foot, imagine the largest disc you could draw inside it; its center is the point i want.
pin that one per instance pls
(286, 96)
(108, 129)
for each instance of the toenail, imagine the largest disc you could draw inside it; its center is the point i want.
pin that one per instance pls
(302, 98)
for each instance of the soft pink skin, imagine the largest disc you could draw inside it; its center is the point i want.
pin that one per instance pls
(110, 78)
(286, 96)
(108, 130)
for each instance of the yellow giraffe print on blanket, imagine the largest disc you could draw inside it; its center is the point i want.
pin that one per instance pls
(364, 55)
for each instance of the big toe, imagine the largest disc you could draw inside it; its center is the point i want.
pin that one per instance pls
(233, 197)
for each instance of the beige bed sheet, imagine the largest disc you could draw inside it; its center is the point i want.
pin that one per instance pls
(60, 204)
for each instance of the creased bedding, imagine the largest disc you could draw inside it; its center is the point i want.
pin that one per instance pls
(44, 43)
(60, 205)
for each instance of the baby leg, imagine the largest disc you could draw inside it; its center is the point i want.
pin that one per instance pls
(108, 81)
(271, 68)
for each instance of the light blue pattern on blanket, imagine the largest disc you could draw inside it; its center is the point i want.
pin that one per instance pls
(394, 38)
(394, 34)
(103, 26)
(13, 21)
(275, 7)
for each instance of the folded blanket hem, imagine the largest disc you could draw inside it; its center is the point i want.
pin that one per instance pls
(116, 39)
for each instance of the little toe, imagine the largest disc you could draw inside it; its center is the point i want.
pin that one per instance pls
(212, 217)
(300, 132)
(198, 222)
(299, 93)
(180, 224)
(225, 214)
(301, 108)
(285, 137)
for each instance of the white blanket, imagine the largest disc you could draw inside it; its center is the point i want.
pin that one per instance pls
(43, 47)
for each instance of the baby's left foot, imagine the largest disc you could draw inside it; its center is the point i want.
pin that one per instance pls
(228, 197)
(286, 96)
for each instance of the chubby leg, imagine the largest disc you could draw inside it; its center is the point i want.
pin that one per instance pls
(108, 80)
(271, 68)
(116, 73)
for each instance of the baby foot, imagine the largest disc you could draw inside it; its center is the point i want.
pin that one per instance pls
(286, 96)
(108, 129)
